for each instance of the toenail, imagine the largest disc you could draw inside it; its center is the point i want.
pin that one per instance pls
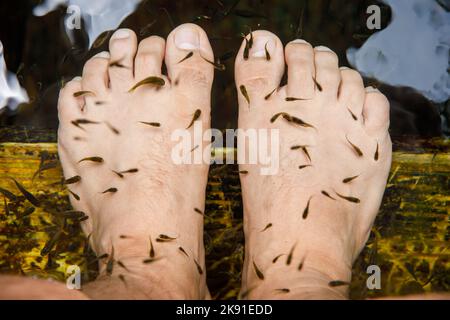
(372, 89)
(103, 54)
(323, 48)
(299, 41)
(344, 68)
(259, 47)
(187, 39)
(76, 79)
(121, 34)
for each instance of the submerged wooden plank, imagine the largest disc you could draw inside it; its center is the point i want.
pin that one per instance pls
(409, 243)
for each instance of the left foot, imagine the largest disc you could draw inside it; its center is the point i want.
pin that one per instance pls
(133, 191)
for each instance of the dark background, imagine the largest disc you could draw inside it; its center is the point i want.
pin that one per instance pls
(38, 49)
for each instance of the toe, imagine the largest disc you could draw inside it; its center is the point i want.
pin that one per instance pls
(149, 57)
(300, 60)
(189, 60)
(352, 93)
(95, 73)
(259, 68)
(69, 107)
(328, 76)
(376, 113)
(122, 46)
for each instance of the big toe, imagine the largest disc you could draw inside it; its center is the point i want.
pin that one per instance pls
(189, 59)
(259, 66)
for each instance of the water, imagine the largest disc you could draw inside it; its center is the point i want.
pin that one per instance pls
(407, 59)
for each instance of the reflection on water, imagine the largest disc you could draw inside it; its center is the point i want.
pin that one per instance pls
(413, 51)
(11, 93)
(98, 15)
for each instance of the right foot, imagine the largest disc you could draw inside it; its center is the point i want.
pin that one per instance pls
(326, 238)
(126, 208)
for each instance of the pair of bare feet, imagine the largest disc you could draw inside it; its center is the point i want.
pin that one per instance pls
(304, 226)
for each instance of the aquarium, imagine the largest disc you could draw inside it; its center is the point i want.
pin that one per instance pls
(400, 48)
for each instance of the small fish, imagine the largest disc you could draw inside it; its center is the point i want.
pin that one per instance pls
(283, 290)
(349, 179)
(217, 65)
(93, 159)
(290, 255)
(117, 64)
(352, 114)
(152, 80)
(122, 236)
(83, 218)
(133, 170)
(189, 55)
(375, 157)
(290, 99)
(267, 97)
(326, 194)
(246, 49)
(350, 199)
(337, 283)
(145, 30)
(122, 265)
(27, 212)
(32, 199)
(195, 117)
(112, 128)
(72, 180)
(267, 53)
(317, 84)
(73, 214)
(250, 41)
(51, 243)
(357, 150)
(276, 116)
(306, 210)
(245, 93)
(84, 121)
(258, 272)
(153, 124)
(46, 166)
(82, 93)
(299, 122)
(151, 260)
(305, 151)
(199, 268)
(122, 278)
(304, 166)
(8, 194)
(269, 225)
(77, 197)
(110, 190)
(198, 211)
(165, 237)
(243, 172)
(152, 250)
(277, 257)
(300, 266)
(118, 173)
(99, 103)
(110, 263)
(183, 251)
